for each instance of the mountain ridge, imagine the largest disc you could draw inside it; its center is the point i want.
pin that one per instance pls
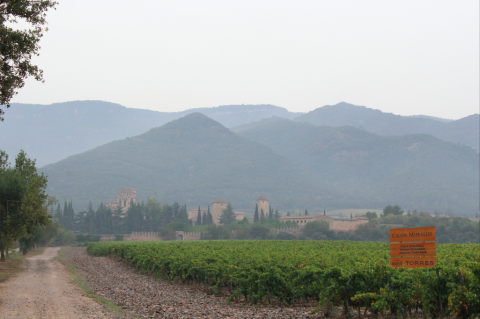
(465, 131)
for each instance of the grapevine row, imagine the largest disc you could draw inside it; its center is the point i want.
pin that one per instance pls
(350, 274)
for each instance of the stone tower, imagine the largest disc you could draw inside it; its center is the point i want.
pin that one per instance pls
(125, 196)
(263, 203)
(217, 207)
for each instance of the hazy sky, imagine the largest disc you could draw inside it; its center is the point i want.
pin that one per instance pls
(403, 57)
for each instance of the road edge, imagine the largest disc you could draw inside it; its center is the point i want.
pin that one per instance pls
(77, 280)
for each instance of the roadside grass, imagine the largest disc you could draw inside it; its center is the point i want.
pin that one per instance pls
(77, 280)
(13, 264)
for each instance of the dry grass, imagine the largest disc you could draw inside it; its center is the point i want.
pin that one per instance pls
(14, 262)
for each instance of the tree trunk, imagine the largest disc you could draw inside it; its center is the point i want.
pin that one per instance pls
(2, 259)
(24, 251)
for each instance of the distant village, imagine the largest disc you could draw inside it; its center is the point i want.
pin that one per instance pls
(128, 196)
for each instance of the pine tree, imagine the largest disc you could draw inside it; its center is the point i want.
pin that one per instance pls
(306, 212)
(255, 216)
(228, 216)
(199, 217)
(277, 215)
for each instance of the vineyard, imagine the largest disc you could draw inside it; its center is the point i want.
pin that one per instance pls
(354, 275)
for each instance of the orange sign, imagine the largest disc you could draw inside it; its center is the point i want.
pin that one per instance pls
(413, 262)
(402, 235)
(413, 249)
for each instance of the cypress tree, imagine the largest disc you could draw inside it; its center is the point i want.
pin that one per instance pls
(176, 212)
(288, 213)
(324, 212)
(182, 214)
(255, 216)
(167, 215)
(58, 213)
(351, 216)
(90, 219)
(204, 219)
(65, 210)
(306, 212)
(209, 217)
(263, 218)
(199, 217)
(270, 212)
(71, 213)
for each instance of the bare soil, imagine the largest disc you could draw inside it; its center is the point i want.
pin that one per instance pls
(149, 298)
(44, 290)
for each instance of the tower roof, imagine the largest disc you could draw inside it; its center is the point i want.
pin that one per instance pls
(261, 197)
(125, 190)
(220, 200)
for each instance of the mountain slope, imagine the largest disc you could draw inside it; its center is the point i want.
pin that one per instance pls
(53, 132)
(416, 171)
(464, 131)
(193, 160)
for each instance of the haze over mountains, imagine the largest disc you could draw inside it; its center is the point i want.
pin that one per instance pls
(53, 132)
(464, 131)
(195, 159)
(416, 170)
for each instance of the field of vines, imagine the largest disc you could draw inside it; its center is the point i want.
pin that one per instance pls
(339, 273)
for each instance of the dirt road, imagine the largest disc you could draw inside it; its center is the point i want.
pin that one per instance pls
(44, 290)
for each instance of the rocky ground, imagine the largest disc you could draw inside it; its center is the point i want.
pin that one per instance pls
(142, 295)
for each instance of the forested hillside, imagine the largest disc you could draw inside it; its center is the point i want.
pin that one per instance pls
(464, 131)
(192, 160)
(416, 171)
(50, 133)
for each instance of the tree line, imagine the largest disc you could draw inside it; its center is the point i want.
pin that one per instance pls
(23, 201)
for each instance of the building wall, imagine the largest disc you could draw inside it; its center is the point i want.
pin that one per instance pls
(263, 204)
(239, 215)
(124, 199)
(336, 224)
(217, 209)
(193, 214)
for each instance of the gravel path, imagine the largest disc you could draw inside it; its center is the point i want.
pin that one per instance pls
(142, 295)
(44, 290)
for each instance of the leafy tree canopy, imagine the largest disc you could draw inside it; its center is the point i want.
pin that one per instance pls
(18, 46)
(394, 210)
(23, 201)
